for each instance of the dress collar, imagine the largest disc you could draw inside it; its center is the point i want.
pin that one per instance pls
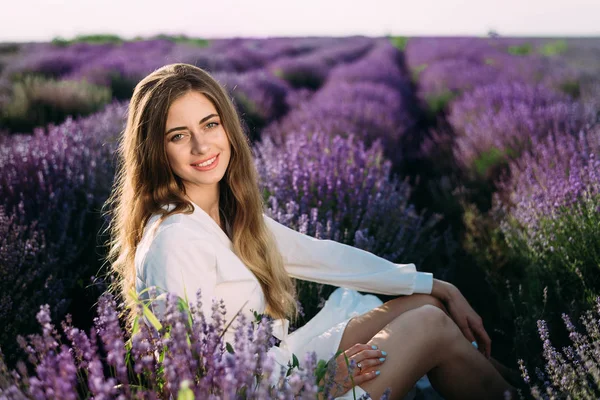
(206, 220)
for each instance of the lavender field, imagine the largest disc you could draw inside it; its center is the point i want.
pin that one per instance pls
(478, 159)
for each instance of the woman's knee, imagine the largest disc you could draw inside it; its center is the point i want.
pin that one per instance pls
(428, 299)
(433, 319)
(404, 303)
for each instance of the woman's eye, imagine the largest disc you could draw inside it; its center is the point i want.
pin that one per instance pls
(211, 123)
(174, 136)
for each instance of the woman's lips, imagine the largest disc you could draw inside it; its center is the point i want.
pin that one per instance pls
(208, 167)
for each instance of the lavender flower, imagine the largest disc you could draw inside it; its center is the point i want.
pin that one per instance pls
(259, 96)
(358, 99)
(243, 371)
(336, 188)
(495, 122)
(572, 373)
(559, 171)
(49, 184)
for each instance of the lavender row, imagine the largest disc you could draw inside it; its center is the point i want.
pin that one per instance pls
(336, 188)
(51, 185)
(135, 59)
(181, 355)
(497, 122)
(310, 70)
(448, 67)
(260, 74)
(370, 97)
(557, 173)
(548, 211)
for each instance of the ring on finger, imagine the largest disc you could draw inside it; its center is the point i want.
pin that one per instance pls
(359, 365)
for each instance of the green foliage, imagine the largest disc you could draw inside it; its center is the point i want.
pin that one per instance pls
(504, 266)
(185, 393)
(37, 101)
(321, 369)
(541, 274)
(183, 39)
(521, 50)
(121, 86)
(9, 48)
(299, 80)
(566, 246)
(485, 242)
(399, 41)
(416, 71)
(438, 103)
(247, 107)
(488, 163)
(292, 364)
(553, 48)
(91, 39)
(571, 87)
(115, 39)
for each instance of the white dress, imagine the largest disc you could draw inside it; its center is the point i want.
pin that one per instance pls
(188, 252)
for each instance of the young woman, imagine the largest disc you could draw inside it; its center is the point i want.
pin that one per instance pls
(188, 215)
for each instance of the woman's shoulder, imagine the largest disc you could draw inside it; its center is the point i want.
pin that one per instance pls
(173, 229)
(174, 223)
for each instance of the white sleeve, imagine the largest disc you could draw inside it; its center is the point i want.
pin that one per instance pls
(334, 263)
(181, 263)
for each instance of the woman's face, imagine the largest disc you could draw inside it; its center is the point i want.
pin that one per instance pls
(194, 134)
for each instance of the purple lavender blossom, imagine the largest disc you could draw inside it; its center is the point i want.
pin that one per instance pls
(55, 377)
(244, 370)
(448, 67)
(559, 171)
(107, 326)
(503, 118)
(572, 372)
(335, 188)
(357, 99)
(259, 96)
(49, 184)
(310, 70)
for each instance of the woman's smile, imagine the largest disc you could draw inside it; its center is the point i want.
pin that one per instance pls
(208, 165)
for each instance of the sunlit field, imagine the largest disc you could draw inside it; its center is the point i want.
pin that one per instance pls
(477, 159)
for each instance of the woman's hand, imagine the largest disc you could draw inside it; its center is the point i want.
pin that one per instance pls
(366, 360)
(469, 322)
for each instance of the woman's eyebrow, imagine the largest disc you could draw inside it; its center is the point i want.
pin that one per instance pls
(179, 128)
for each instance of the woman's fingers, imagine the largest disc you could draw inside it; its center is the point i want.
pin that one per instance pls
(360, 352)
(367, 357)
(365, 376)
(366, 354)
(483, 340)
(355, 350)
(370, 364)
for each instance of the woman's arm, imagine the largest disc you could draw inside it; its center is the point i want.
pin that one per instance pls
(443, 290)
(334, 263)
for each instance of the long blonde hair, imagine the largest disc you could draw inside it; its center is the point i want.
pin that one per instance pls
(144, 182)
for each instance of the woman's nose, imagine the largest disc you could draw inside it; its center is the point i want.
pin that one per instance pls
(199, 144)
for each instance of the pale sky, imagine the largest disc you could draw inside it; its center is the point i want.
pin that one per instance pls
(42, 20)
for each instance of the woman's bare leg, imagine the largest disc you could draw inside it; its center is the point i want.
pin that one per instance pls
(362, 328)
(425, 340)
